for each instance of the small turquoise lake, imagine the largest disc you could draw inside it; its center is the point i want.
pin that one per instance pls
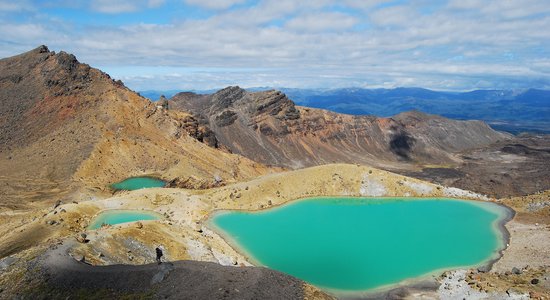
(360, 244)
(136, 183)
(118, 216)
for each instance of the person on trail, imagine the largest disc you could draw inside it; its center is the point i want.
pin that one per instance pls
(159, 254)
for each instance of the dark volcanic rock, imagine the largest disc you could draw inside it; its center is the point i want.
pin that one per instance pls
(484, 269)
(226, 118)
(401, 144)
(163, 102)
(194, 183)
(226, 97)
(500, 170)
(202, 133)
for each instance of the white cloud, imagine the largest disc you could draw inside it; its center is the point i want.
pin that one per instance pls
(503, 9)
(123, 6)
(304, 43)
(466, 4)
(15, 6)
(214, 4)
(364, 4)
(155, 3)
(113, 7)
(322, 22)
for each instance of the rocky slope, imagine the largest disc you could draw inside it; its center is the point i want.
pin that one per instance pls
(267, 127)
(65, 126)
(515, 167)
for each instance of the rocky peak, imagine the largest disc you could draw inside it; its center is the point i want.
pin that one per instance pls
(227, 97)
(36, 52)
(42, 49)
(21, 64)
(67, 61)
(40, 89)
(276, 104)
(162, 102)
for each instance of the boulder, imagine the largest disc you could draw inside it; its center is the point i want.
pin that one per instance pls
(57, 203)
(81, 238)
(162, 102)
(226, 118)
(6, 262)
(484, 269)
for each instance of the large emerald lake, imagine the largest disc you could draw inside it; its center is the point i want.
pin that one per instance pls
(358, 244)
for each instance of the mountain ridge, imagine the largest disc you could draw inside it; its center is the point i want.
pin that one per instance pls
(514, 111)
(66, 127)
(266, 116)
(270, 128)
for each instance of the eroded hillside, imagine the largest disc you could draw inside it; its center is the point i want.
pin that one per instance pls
(269, 128)
(65, 126)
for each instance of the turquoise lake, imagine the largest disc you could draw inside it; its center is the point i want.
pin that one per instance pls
(136, 183)
(358, 244)
(116, 216)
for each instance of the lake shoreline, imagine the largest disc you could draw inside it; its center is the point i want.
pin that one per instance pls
(510, 214)
(421, 284)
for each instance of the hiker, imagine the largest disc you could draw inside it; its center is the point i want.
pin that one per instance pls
(159, 254)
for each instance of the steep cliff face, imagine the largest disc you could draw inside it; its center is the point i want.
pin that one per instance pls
(267, 127)
(65, 125)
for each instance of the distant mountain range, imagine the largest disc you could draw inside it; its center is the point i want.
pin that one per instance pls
(507, 110)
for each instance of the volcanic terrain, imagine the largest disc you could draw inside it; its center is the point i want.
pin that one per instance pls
(65, 127)
(268, 127)
(68, 131)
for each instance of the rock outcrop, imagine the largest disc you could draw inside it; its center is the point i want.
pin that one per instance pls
(269, 128)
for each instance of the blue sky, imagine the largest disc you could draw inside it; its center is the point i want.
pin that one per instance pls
(206, 44)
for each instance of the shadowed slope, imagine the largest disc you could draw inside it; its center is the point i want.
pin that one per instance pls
(175, 280)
